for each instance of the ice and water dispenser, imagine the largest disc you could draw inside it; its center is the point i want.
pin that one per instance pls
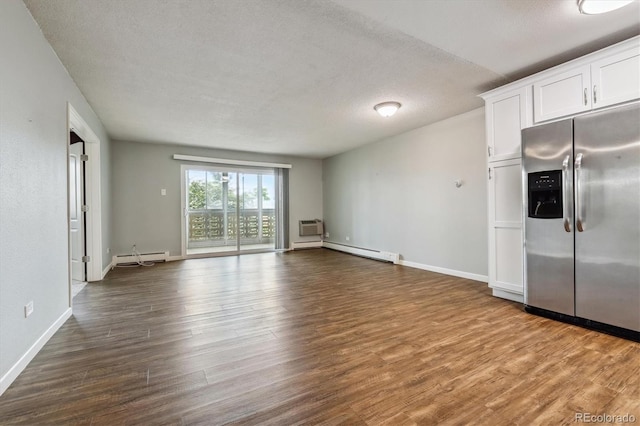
(545, 194)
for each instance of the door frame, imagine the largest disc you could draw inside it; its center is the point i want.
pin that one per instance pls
(93, 199)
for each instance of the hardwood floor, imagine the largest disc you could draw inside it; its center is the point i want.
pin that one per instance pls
(314, 337)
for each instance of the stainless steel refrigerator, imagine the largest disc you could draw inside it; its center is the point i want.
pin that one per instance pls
(581, 182)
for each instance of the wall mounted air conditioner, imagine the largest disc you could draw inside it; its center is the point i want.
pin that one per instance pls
(310, 227)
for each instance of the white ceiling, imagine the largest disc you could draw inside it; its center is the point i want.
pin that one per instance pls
(301, 77)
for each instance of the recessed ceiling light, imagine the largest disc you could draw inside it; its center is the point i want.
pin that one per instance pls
(387, 109)
(593, 7)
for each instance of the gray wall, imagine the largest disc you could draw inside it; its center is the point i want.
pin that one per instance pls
(399, 195)
(152, 221)
(33, 181)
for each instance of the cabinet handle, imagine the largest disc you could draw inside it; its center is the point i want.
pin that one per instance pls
(585, 96)
(489, 151)
(489, 173)
(595, 97)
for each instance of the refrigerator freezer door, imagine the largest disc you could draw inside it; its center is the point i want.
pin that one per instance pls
(607, 197)
(549, 276)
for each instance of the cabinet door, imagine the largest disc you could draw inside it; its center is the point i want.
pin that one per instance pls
(562, 94)
(505, 119)
(616, 78)
(505, 226)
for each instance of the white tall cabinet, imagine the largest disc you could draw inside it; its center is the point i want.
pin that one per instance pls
(608, 77)
(507, 114)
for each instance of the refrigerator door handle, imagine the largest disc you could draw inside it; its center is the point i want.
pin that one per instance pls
(566, 220)
(578, 173)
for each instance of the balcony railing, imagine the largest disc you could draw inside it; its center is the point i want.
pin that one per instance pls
(215, 227)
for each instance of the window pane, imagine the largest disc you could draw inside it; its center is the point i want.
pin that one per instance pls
(214, 190)
(268, 192)
(249, 191)
(196, 181)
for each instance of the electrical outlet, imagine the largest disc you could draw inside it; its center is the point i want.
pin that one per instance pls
(28, 309)
(163, 191)
(326, 235)
(347, 238)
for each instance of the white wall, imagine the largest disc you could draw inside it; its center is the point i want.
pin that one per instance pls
(399, 195)
(152, 221)
(35, 89)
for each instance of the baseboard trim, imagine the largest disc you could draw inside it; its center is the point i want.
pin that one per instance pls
(25, 359)
(384, 256)
(127, 259)
(106, 270)
(296, 245)
(168, 259)
(446, 271)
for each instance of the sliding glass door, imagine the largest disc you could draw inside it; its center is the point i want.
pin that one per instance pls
(229, 211)
(257, 219)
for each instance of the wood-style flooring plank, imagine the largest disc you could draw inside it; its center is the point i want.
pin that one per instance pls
(314, 337)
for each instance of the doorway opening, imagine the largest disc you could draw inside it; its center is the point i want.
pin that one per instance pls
(77, 209)
(229, 211)
(92, 202)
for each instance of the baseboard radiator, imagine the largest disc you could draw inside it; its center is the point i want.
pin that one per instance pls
(298, 245)
(130, 259)
(385, 256)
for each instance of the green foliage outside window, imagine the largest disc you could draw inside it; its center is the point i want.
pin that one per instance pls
(209, 195)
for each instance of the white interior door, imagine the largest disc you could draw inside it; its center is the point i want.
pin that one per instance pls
(76, 217)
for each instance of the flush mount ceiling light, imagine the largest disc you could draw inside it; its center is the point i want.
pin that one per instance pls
(387, 109)
(593, 7)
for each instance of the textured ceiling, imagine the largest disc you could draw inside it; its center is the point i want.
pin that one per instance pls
(301, 77)
(514, 38)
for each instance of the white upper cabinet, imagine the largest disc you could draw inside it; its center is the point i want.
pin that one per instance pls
(616, 78)
(602, 79)
(505, 119)
(562, 94)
